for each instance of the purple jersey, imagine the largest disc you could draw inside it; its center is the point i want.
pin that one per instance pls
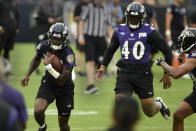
(66, 57)
(15, 99)
(133, 45)
(193, 72)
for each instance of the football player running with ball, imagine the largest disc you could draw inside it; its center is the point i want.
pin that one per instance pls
(135, 39)
(54, 84)
(186, 44)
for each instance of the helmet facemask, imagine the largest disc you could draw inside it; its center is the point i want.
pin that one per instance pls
(134, 21)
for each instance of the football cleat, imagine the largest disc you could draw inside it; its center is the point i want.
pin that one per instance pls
(165, 112)
(91, 90)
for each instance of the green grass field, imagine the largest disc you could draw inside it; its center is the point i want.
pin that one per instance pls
(93, 112)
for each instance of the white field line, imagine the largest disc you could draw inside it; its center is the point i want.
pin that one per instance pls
(74, 112)
(110, 107)
(103, 128)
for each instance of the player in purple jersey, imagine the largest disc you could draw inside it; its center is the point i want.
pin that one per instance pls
(186, 44)
(12, 96)
(135, 39)
(55, 85)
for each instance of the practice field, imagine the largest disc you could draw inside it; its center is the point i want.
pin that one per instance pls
(93, 112)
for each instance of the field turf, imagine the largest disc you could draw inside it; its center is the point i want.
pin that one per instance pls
(93, 112)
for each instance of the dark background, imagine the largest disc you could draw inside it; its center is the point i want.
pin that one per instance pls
(25, 9)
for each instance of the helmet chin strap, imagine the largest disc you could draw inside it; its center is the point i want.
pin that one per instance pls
(134, 26)
(55, 47)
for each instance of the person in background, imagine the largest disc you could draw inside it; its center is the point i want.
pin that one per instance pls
(175, 22)
(81, 48)
(151, 2)
(115, 9)
(8, 118)
(94, 25)
(125, 114)
(9, 28)
(11, 95)
(193, 19)
(116, 12)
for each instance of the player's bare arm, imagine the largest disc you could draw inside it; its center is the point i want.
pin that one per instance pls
(181, 70)
(81, 39)
(185, 21)
(77, 18)
(168, 20)
(33, 65)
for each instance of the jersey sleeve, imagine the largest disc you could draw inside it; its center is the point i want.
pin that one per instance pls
(85, 12)
(155, 38)
(69, 58)
(77, 10)
(39, 50)
(114, 44)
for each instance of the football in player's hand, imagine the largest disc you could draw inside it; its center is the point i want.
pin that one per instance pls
(56, 64)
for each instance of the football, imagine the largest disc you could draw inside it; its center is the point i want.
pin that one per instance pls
(56, 64)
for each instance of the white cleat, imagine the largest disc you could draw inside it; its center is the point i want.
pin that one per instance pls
(165, 112)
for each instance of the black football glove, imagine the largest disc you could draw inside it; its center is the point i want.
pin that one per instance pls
(158, 61)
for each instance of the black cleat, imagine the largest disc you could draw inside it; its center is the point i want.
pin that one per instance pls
(43, 129)
(91, 89)
(165, 112)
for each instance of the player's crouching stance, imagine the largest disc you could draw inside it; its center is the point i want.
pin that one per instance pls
(186, 44)
(54, 84)
(134, 74)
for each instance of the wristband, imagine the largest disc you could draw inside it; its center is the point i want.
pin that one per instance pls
(48, 67)
(81, 36)
(52, 71)
(168, 32)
